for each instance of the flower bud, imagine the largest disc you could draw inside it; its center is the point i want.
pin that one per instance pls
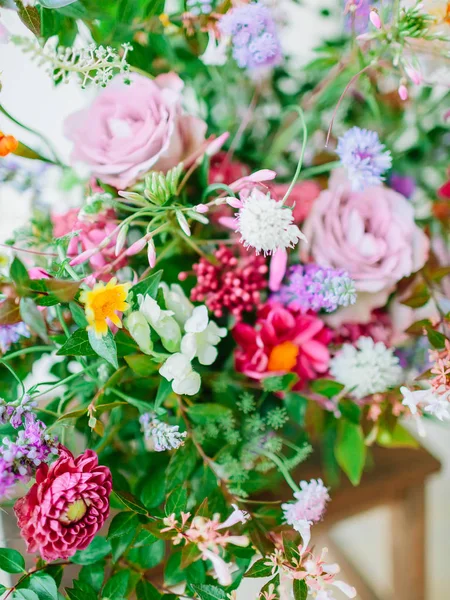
(151, 253)
(375, 18)
(183, 223)
(83, 257)
(121, 239)
(139, 330)
(403, 92)
(201, 208)
(136, 247)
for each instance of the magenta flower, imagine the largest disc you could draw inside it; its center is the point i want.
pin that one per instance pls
(66, 506)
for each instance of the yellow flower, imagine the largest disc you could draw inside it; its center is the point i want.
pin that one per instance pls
(440, 9)
(102, 303)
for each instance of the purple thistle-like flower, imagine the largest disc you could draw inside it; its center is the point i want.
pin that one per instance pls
(10, 334)
(199, 7)
(311, 287)
(253, 34)
(403, 184)
(20, 458)
(364, 157)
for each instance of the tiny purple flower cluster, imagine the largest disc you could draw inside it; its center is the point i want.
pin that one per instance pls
(10, 334)
(20, 458)
(364, 157)
(14, 414)
(253, 34)
(199, 7)
(164, 436)
(317, 288)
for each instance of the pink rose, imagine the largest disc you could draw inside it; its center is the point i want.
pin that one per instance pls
(370, 234)
(66, 506)
(131, 129)
(302, 197)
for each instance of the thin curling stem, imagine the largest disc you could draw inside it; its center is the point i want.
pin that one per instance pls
(301, 115)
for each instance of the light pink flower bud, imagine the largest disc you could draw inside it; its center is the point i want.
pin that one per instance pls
(414, 75)
(136, 247)
(83, 257)
(234, 202)
(262, 175)
(217, 144)
(121, 239)
(151, 253)
(201, 208)
(403, 92)
(183, 222)
(375, 18)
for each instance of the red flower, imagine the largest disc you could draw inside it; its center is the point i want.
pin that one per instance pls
(282, 341)
(66, 506)
(224, 170)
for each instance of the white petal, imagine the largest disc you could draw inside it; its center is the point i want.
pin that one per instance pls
(189, 385)
(348, 590)
(221, 568)
(189, 345)
(198, 321)
(206, 354)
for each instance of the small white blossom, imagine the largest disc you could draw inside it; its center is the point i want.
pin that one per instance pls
(265, 224)
(162, 322)
(179, 371)
(215, 54)
(177, 301)
(431, 402)
(366, 368)
(202, 336)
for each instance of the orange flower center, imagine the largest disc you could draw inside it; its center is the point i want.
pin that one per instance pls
(283, 357)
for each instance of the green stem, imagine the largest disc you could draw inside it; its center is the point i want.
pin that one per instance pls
(283, 470)
(61, 320)
(34, 132)
(67, 267)
(301, 114)
(68, 379)
(319, 169)
(28, 351)
(16, 377)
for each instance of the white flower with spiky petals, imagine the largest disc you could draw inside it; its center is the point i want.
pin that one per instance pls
(265, 224)
(366, 368)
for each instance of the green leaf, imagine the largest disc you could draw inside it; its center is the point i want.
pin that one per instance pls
(125, 344)
(93, 574)
(32, 316)
(181, 465)
(78, 315)
(77, 345)
(142, 365)
(281, 383)
(116, 587)
(154, 491)
(146, 591)
(271, 586)
(259, 569)
(209, 592)
(81, 591)
(350, 450)
(105, 347)
(296, 407)
(148, 286)
(11, 561)
(131, 502)
(123, 523)
(326, 387)
(9, 312)
(64, 290)
(19, 275)
(398, 438)
(201, 413)
(189, 554)
(97, 550)
(300, 589)
(23, 595)
(436, 339)
(177, 501)
(164, 389)
(43, 585)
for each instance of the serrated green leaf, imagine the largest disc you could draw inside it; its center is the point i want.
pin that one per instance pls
(177, 501)
(11, 561)
(105, 347)
(131, 502)
(77, 345)
(123, 523)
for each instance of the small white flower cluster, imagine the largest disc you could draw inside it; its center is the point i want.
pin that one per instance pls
(185, 331)
(265, 224)
(95, 64)
(163, 436)
(429, 401)
(367, 368)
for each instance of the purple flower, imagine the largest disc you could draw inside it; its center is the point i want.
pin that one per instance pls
(403, 184)
(364, 157)
(357, 12)
(199, 7)
(311, 287)
(20, 458)
(253, 34)
(10, 334)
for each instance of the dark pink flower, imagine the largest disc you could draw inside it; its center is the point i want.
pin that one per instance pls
(224, 170)
(92, 232)
(282, 341)
(66, 506)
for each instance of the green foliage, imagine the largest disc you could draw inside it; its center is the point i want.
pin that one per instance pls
(350, 450)
(11, 561)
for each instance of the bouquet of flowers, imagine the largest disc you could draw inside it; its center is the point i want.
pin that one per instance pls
(259, 267)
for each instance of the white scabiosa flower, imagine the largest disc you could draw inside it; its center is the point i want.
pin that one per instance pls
(366, 368)
(201, 337)
(265, 224)
(178, 370)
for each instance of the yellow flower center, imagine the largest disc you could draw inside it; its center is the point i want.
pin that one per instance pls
(103, 303)
(283, 357)
(74, 513)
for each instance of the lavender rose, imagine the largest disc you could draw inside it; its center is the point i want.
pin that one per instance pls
(130, 129)
(371, 235)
